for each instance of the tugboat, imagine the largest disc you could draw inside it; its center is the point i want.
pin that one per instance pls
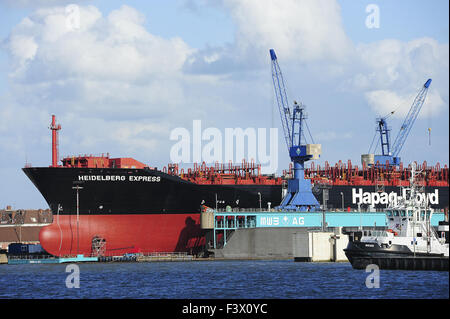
(409, 243)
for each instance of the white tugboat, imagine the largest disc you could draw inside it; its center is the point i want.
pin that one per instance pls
(410, 242)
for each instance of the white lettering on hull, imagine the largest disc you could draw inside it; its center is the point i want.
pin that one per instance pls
(360, 197)
(118, 178)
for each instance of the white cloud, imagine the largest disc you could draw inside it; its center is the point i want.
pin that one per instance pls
(109, 60)
(303, 31)
(113, 85)
(117, 46)
(113, 68)
(393, 62)
(391, 72)
(23, 47)
(384, 102)
(309, 36)
(110, 73)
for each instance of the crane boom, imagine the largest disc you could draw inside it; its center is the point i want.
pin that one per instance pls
(282, 101)
(410, 119)
(390, 153)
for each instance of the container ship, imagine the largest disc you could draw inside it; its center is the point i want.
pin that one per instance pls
(112, 206)
(118, 205)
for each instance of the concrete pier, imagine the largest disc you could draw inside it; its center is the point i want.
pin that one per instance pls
(259, 243)
(320, 246)
(300, 244)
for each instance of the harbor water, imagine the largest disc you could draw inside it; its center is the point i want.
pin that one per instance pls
(252, 279)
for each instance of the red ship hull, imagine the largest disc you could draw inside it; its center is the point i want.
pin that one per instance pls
(121, 234)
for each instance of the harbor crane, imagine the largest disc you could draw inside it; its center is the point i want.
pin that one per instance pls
(299, 196)
(390, 154)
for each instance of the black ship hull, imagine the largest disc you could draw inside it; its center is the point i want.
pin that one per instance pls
(140, 209)
(112, 211)
(141, 191)
(395, 257)
(146, 191)
(348, 196)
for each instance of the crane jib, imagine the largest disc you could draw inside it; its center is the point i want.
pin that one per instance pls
(410, 119)
(390, 152)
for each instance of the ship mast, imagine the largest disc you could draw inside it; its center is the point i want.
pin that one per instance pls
(55, 128)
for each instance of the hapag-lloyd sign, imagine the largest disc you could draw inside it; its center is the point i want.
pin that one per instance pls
(374, 198)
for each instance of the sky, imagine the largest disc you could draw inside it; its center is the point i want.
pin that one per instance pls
(121, 76)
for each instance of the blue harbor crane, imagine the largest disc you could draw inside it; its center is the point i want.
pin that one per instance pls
(299, 196)
(390, 154)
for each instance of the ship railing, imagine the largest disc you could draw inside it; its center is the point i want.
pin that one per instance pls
(163, 254)
(243, 210)
(275, 210)
(98, 155)
(31, 256)
(434, 233)
(144, 254)
(377, 233)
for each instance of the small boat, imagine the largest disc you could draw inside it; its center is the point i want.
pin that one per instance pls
(409, 242)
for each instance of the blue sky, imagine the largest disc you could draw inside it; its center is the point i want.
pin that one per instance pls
(136, 70)
(400, 19)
